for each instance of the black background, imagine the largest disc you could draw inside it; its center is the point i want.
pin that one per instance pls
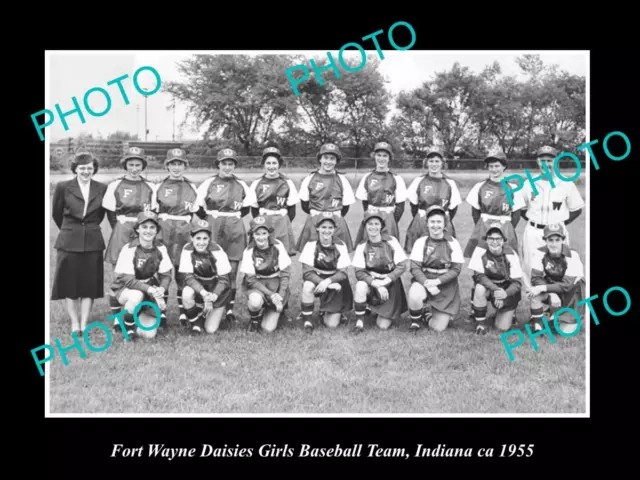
(84, 446)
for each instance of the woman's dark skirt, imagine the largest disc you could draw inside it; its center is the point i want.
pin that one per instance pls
(78, 275)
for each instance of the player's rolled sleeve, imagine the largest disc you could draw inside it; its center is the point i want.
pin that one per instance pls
(472, 197)
(303, 193)
(223, 266)
(253, 188)
(348, 198)
(361, 191)
(456, 199)
(412, 191)
(401, 189)
(292, 199)
(109, 199)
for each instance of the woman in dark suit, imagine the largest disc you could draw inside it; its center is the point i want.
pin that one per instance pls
(78, 213)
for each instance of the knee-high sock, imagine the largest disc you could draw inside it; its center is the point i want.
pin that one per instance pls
(115, 307)
(360, 309)
(183, 313)
(307, 312)
(256, 316)
(231, 302)
(195, 319)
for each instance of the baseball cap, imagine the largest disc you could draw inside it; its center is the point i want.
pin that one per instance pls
(132, 153)
(495, 226)
(496, 154)
(176, 154)
(384, 146)
(547, 151)
(327, 218)
(259, 222)
(435, 152)
(369, 215)
(146, 216)
(433, 209)
(553, 229)
(199, 225)
(226, 154)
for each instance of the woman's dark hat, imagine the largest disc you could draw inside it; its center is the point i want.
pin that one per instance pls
(369, 215)
(147, 216)
(325, 218)
(199, 225)
(435, 209)
(259, 222)
(134, 153)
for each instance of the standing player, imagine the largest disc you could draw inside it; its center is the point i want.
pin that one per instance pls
(173, 199)
(489, 204)
(326, 190)
(559, 205)
(223, 200)
(383, 192)
(276, 198)
(432, 188)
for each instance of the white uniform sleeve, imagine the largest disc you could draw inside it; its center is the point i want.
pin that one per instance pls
(574, 266)
(412, 191)
(475, 264)
(253, 187)
(284, 260)
(109, 199)
(303, 193)
(222, 261)
(358, 257)
(348, 197)
(154, 197)
(515, 269)
(472, 197)
(293, 193)
(574, 199)
(185, 262)
(165, 263)
(343, 261)
(536, 261)
(361, 191)
(201, 194)
(401, 189)
(306, 256)
(417, 252)
(456, 251)
(124, 265)
(246, 264)
(456, 199)
(249, 195)
(518, 199)
(398, 253)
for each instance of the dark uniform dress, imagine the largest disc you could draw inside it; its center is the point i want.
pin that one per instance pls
(327, 194)
(563, 275)
(319, 263)
(427, 191)
(80, 245)
(377, 260)
(382, 191)
(267, 271)
(275, 197)
(173, 200)
(439, 258)
(124, 200)
(491, 199)
(495, 272)
(139, 268)
(208, 270)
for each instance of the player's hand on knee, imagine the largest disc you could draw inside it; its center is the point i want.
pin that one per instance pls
(384, 294)
(335, 286)
(555, 301)
(322, 286)
(500, 294)
(499, 303)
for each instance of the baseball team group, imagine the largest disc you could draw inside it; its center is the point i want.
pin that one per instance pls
(196, 235)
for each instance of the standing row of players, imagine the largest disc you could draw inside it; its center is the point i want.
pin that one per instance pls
(223, 200)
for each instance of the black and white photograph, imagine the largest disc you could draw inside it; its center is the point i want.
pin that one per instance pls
(280, 233)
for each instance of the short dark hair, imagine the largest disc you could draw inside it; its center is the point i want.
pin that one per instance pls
(73, 163)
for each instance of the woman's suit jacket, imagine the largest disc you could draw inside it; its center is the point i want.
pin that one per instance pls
(78, 233)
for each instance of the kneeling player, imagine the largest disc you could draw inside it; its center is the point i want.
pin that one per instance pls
(324, 271)
(557, 280)
(267, 268)
(436, 262)
(205, 268)
(379, 262)
(497, 276)
(143, 274)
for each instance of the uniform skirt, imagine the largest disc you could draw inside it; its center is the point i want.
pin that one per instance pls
(480, 231)
(174, 234)
(272, 284)
(390, 227)
(394, 307)
(309, 232)
(121, 234)
(419, 228)
(448, 298)
(332, 301)
(282, 231)
(209, 286)
(78, 275)
(231, 234)
(510, 303)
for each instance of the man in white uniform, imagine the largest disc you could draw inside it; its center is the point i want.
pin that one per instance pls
(562, 205)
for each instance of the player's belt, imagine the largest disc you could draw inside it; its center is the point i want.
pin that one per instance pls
(336, 213)
(437, 270)
(123, 218)
(166, 216)
(325, 272)
(273, 275)
(218, 213)
(500, 282)
(265, 211)
(205, 279)
(498, 218)
(423, 213)
(374, 209)
(378, 275)
(537, 225)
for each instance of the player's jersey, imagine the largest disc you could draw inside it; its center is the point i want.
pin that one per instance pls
(497, 268)
(436, 254)
(228, 194)
(274, 193)
(129, 197)
(382, 189)
(265, 263)
(426, 191)
(175, 196)
(551, 205)
(546, 269)
(206, 265)
(326, 192)
(380, 257)
(490, 197)
(332, 258)
(138, 263)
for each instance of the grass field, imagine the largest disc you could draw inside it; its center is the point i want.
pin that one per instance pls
(330, 371)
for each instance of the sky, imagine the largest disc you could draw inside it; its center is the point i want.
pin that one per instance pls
(72, 73)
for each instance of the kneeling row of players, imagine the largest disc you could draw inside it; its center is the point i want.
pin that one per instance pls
(144, 272)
